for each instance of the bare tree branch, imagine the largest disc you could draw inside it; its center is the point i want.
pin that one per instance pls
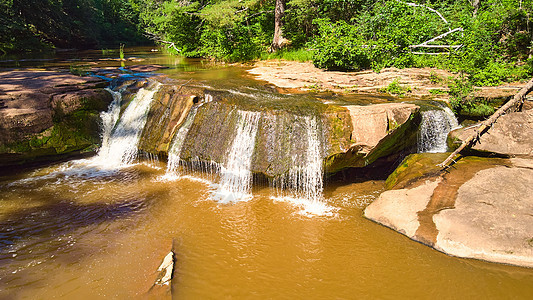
(487, 124)
(425, 44)
(426, 7)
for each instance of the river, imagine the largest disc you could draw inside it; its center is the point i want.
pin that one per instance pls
(79, 230)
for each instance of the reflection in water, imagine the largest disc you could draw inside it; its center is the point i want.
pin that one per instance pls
(80, 230)
(105, 236)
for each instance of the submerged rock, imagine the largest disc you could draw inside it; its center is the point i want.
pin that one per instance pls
(46, 113)
(511, 135)
(479, 209)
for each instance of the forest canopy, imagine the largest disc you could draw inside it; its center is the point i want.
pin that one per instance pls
(488, 40)
(27, 25)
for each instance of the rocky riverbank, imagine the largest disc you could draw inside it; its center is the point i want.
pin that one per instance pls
(481, 208)
(417, 82)
(48, 113)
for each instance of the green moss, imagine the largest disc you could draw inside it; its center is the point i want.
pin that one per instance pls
(424, 165)
(414, 166)
(78, 131)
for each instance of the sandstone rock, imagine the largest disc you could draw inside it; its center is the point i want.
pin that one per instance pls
(511, 135)
(480, 209)
(347, 135)
(48, 113)
(168, 112)
(492, 218)
(377, 131)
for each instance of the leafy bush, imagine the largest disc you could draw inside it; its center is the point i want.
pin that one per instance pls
(463, 103)
(395, 88)
(338, 47)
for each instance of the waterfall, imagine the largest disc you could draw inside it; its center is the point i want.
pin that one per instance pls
(119, 144)
(178, 141)
(236, 176)
(305, 178)
(110, 117)
(436, 124)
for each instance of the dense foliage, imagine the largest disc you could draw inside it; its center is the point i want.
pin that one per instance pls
(494, 43)
(36, 25)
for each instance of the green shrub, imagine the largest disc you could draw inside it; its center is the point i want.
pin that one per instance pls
(337, 46)
(395, 88)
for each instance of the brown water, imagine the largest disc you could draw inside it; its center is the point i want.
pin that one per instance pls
(75, 231)
(85, 234)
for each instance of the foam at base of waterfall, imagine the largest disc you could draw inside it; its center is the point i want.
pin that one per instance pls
(308, 207)
(224, 196)
(172, 177)
(235, 175)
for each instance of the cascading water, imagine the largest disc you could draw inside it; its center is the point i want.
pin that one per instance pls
(305, 179)
(306, 176)
(121, 142)
(436, 124)
(110, 117)
(236, 176)
(177, 143)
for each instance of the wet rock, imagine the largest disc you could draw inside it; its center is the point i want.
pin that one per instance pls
(353, 136)
(377, 131)
(170, 107)
(47, 113)
(511, 135)
(479, 209)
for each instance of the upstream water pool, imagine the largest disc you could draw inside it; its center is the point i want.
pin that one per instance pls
(89, 229)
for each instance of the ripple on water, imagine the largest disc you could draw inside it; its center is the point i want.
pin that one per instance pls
(309, 207)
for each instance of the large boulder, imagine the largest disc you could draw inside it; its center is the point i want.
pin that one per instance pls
(377, 131)
(511, 135)
(287, 127)
(172, 103)
(480, 209)
(47, 113)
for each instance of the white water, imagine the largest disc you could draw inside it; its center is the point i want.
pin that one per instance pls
(305, 180)
(436, 124)
(177, 144)
(119, 141)
(236, 176)
(110, 117)
(119, 146)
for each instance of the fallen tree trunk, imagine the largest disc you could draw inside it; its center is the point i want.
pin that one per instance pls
(512, 105)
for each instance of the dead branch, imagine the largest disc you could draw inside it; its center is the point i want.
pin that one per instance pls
(487, 124)
(431, 53)
(426, 43)
(156, 38)
(426, 7)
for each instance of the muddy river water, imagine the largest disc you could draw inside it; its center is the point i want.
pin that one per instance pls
(78, 230)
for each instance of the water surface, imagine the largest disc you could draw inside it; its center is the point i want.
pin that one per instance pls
(84, 230)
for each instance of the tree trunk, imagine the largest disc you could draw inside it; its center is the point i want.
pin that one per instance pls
(512, 105)
(278, 41)
(475, 4)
